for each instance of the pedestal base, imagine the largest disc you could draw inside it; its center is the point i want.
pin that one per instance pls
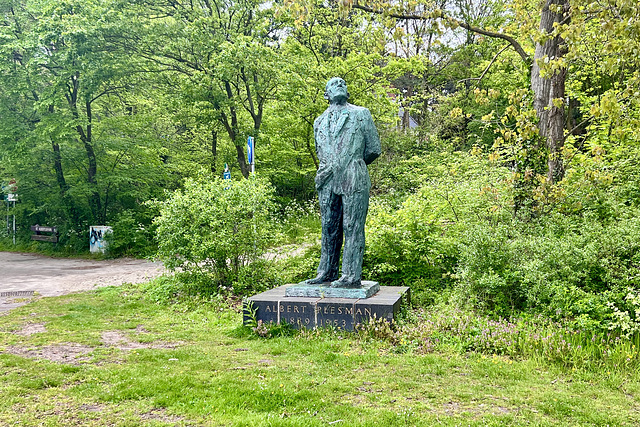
(367, 290)
(311, 312)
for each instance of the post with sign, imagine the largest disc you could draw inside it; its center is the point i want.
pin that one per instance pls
(226, 175)
(252, 161)
(11, 191)
(251, 153)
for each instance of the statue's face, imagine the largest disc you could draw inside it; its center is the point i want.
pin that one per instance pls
(336, 90)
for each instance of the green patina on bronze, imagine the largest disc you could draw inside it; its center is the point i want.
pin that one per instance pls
(367, 289)
(346, 142)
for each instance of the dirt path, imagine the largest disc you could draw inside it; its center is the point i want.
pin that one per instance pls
(21, 274)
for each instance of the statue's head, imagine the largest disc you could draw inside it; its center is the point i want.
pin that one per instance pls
(336, 91)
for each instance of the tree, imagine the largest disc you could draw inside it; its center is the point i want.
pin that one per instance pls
(327, 45)
(70, 95)
(222, 55)
(548, 87)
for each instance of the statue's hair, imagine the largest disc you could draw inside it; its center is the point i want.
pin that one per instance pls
(326, 95)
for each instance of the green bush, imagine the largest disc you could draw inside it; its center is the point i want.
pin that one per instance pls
(456, 236)
(294, 269)
(133, 235)
(416, 243)
(214, 232)
(575, 268)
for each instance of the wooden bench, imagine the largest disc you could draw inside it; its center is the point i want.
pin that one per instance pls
(51, 236)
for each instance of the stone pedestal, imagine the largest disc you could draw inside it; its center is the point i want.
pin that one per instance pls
(318, 311)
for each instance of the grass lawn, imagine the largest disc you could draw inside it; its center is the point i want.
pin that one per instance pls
(112, 357)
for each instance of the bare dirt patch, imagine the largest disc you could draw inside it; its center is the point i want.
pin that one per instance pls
(31, 328)
(160, 415)
(73, 353)
(63, 410)
(68, 353)
(92, 408)
(119, 340)
(455, 408)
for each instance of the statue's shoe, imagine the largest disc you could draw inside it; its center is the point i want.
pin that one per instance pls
(343, 282)
(319, 280)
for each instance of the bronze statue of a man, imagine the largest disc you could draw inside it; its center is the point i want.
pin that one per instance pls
(346, 141)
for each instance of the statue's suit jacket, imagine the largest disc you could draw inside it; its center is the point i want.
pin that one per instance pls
(344, 153)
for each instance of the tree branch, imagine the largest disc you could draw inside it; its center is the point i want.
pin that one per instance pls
(410, 16)
(486, 69)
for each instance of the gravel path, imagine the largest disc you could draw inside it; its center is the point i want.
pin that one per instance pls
(24, 273)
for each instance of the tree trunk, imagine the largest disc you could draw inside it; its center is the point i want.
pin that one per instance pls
(67, 201)
(549, 91)
(57, 164)
(232, 130)
(92, 171)
(86, 139)
(242, 161)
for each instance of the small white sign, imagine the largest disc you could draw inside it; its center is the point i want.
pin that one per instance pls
(12, 197)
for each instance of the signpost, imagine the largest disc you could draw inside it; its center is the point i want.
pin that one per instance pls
(226, 175)
(251, 145)
(11, 190)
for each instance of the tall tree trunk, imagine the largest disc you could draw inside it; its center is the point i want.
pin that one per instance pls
(67, 201)
(86, 139)
(549, 91)
(232, 130)
(92, 171)
(242, 161)
(57, 164)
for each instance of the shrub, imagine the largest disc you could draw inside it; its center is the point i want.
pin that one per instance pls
(133, 235)
(457, 236)
(214, 232)
(304, 265)
(448, 328)
(575, 268)
(416, 242)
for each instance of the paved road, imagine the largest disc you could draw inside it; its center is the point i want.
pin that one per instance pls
(58, 276)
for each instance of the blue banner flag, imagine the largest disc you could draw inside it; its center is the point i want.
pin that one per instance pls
(250, 147)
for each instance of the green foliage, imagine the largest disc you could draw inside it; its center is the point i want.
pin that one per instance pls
(214, 232)
(301, 266)
(133, 235)
(300, 221)
(573, 268)
(445, 327)
(106, 105)
(416, 242)
(457, 237)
